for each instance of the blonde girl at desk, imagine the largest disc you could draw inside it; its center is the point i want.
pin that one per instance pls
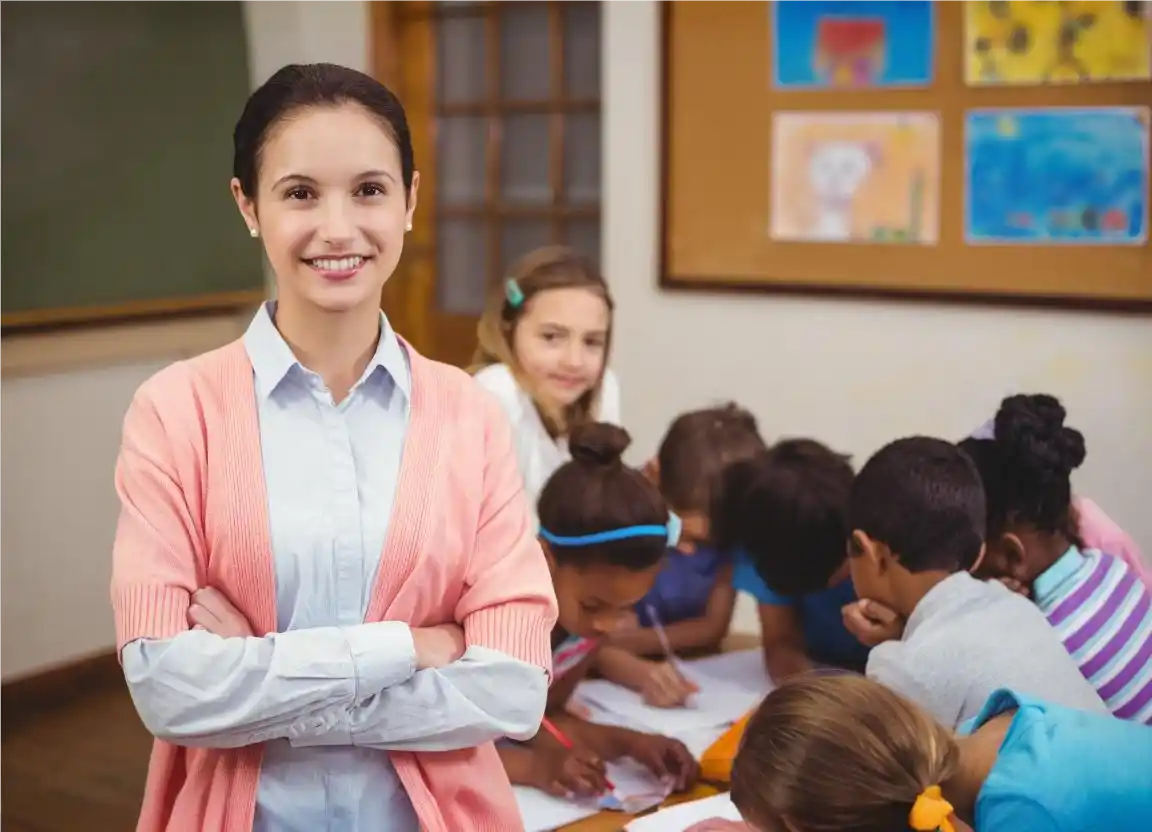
(544, 341)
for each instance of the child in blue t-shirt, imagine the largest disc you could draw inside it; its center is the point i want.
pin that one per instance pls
(842, 751)
(693, 597)
(784, 513)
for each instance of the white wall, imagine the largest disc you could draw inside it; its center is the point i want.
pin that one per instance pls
(61, 430)
(853, 373)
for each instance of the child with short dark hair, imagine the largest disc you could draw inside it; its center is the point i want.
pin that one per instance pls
(940, 636)
(693, 598)
(784, 514)
(843, 752)
(604, 529)
(1096, 602)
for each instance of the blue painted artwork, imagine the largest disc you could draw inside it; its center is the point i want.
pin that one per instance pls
(837, 45)
(1059, 175)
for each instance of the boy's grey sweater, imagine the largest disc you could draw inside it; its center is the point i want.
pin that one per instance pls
(967, 638)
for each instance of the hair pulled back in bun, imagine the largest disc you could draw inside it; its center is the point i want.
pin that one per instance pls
(599, 444)
(596, 492)
(1027, 467)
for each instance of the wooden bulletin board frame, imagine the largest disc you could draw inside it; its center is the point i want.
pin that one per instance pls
(718, 104)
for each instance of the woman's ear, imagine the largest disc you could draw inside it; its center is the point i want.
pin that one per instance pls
(247, 207)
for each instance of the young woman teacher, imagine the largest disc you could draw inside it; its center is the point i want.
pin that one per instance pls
(329, 598)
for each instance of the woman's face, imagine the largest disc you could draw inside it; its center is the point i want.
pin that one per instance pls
(560, 342)
(594, 600)
(330, 207)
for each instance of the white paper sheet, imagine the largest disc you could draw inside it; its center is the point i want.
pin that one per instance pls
(637, 790)
(718, 702)
(680, 817)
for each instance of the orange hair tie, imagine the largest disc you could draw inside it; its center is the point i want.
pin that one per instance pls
(931, 812)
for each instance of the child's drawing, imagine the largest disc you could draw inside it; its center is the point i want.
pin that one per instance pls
(1043, 42)
(1059, 175)
(855, 177)
(861, 43)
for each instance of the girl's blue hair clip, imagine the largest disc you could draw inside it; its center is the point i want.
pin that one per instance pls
(670, 532)
(513, 293)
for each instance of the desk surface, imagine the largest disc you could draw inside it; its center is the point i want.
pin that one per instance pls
(615, 821)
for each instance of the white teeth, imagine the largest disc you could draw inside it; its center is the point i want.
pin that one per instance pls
(344, 264)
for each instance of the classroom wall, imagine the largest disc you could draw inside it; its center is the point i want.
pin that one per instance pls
(854, 373)
(61, 420)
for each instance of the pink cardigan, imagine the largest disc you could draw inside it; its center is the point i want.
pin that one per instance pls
(460, 547)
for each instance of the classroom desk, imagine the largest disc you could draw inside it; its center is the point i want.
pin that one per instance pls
(615, 821)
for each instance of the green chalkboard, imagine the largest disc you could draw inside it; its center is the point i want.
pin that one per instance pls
(117, 153)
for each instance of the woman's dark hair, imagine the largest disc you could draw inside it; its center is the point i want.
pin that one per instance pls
(698, 447)
(301, 86)
(596, 492)
(1027, 468)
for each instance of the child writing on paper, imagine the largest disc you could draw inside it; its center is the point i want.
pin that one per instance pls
(693, 598)
(604, 529)
(783, 512)
(943, 638)
(543, 347)
(1096, 602)
(843, 752)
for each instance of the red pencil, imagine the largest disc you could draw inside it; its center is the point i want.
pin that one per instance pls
(562, 738)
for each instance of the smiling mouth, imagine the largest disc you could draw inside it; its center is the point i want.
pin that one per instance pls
(337, 264)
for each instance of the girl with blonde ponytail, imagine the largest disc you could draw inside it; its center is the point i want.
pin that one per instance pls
(840, 753)
(543, 345)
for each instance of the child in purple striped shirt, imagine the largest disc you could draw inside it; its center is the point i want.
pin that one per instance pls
(1096, 602)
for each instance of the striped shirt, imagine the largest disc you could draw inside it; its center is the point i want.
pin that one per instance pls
(1103, 614)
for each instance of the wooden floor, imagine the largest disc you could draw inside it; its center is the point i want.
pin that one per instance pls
(79, 767)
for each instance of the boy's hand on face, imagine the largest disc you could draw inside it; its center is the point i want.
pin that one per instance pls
(872, 623)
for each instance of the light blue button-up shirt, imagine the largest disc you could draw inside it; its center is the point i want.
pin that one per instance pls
(329, 693)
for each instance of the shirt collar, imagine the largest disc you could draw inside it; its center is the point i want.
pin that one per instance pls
(1051, 578)
(272, 359)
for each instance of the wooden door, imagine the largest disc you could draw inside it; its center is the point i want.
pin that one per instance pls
(503, 100)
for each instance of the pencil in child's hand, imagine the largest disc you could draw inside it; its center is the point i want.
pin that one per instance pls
(562, 738)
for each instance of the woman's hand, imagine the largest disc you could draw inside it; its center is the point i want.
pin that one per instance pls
(872, 623)
(564, 772)
(663, 686)
(664, 757)
(438, 646)
(211, 611)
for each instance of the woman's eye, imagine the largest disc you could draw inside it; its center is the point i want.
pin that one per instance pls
(298, 193)
(371, 189)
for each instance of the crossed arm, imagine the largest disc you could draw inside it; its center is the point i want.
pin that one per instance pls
(372, 684)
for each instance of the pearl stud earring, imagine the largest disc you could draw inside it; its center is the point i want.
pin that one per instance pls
(252, 232)
(408, 227)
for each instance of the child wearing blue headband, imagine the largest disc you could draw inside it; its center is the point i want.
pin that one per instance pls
(604, 528)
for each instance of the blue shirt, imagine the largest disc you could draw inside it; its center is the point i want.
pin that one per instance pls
(682, 588)
(1064, 770)
(826, 640)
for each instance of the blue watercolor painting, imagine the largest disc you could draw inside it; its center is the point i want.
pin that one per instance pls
(1058, 175)
(836, 45)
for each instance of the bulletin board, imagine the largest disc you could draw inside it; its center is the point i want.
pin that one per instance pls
(726, 210)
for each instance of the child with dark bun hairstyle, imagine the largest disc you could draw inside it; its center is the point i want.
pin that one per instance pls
(604, 528)
(1096, 602)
